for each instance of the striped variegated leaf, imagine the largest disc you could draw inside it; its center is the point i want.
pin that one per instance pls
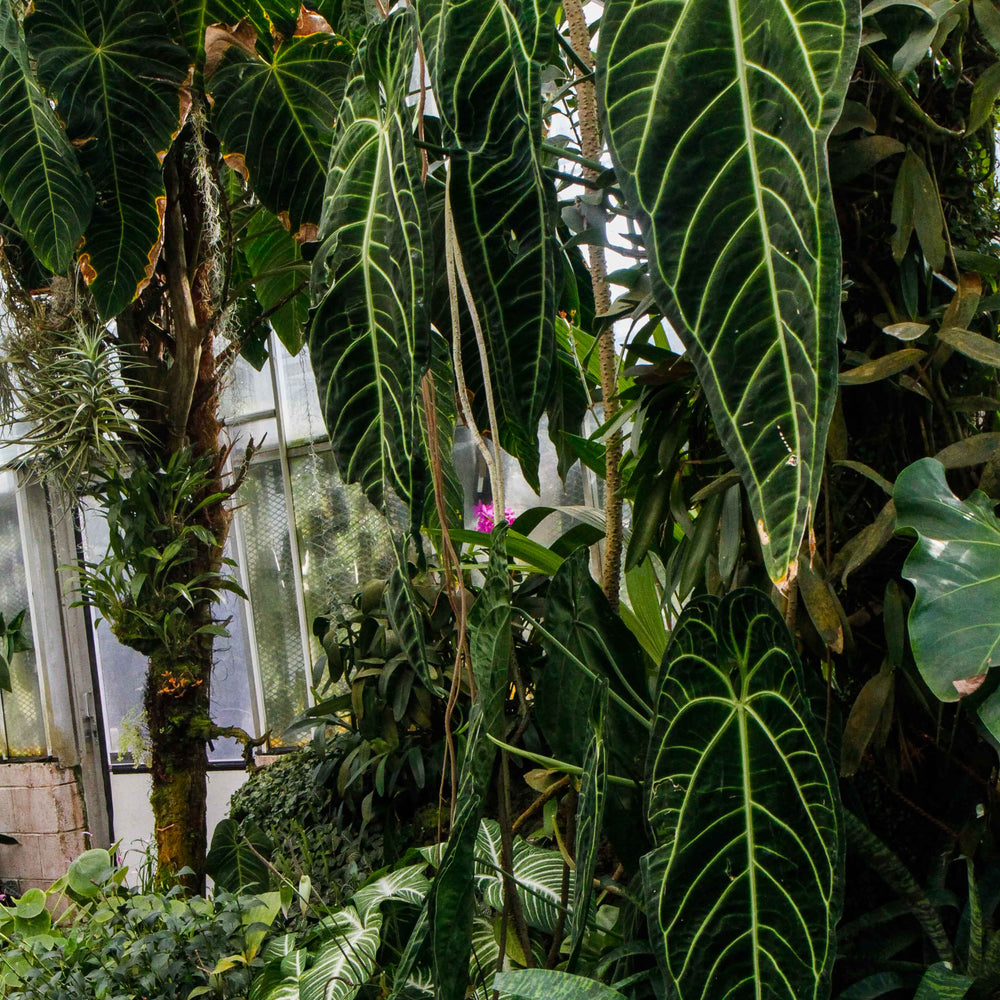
(744, 886)
(408, 885)
(278, 113)
(538, 875)
(370, 336)
(40, 178)
(483, 61)
(345, 960)
(116, 79)
(717, 114)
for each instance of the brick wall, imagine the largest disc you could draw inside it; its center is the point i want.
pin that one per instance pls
(40, 805)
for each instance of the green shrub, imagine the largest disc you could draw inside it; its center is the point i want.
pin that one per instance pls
(115, 943)
(311, 830)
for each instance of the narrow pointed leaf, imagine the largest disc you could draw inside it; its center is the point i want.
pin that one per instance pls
(278, 114)
(589, 826)
(717, 115)
(743, 889)
(483, 62)
(116, 79)
(954, 622)
(40, 178)
(551, 984)
(370, 336)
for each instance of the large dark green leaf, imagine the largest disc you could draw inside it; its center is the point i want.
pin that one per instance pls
(482, 57)
(280, 277)
(955, 618)
(116, 79)
(48, 194)
(190, 19)
(717, 113)
(236, 858)
(370, 335)
(744, 886)
(279, 114)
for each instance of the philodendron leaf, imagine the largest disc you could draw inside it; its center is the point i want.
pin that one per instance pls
(483, 57)
(954, 622)
(743, 888)
(116, 79)
(370, 336)
(717, 115)
(40, 178)
(278, 114)
(236, 859)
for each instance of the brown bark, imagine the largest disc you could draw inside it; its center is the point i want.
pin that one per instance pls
(591, 147)
(178, 686)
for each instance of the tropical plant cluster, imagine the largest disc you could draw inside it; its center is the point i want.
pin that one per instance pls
(770, 731)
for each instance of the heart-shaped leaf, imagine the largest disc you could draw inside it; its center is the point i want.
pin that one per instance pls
(40, 178)
(116, 79)
(717, 116)
(278, 114)
(743, 889)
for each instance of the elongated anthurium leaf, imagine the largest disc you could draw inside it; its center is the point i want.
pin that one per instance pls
(370, 336)
(743, 888)
(483, 61)
(41, 181)
(717, 114)
(278, 114)
(954, 622)
(116, 79)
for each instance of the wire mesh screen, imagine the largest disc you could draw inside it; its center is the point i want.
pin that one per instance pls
(22, 724)
(272, 594)
(343, 540)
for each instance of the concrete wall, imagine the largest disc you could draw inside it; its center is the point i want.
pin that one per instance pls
(40, 805)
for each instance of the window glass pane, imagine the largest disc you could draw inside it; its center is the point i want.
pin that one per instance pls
(301, 411)
(22, 724)
(343, 540)
(272, 594)
(123, 670)
(247, 391)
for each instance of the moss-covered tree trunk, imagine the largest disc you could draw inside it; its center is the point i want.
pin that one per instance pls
(178, 685)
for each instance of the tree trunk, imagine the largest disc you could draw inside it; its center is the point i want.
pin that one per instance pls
(178, 694)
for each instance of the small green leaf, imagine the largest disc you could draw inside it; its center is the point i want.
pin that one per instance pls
(985, 92)
(917, 206)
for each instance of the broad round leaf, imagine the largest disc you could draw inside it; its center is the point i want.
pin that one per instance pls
(743, 889)
(88, 873)
(30, 905)
(717, 114)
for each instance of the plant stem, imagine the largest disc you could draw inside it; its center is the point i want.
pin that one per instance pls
(590, 142)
